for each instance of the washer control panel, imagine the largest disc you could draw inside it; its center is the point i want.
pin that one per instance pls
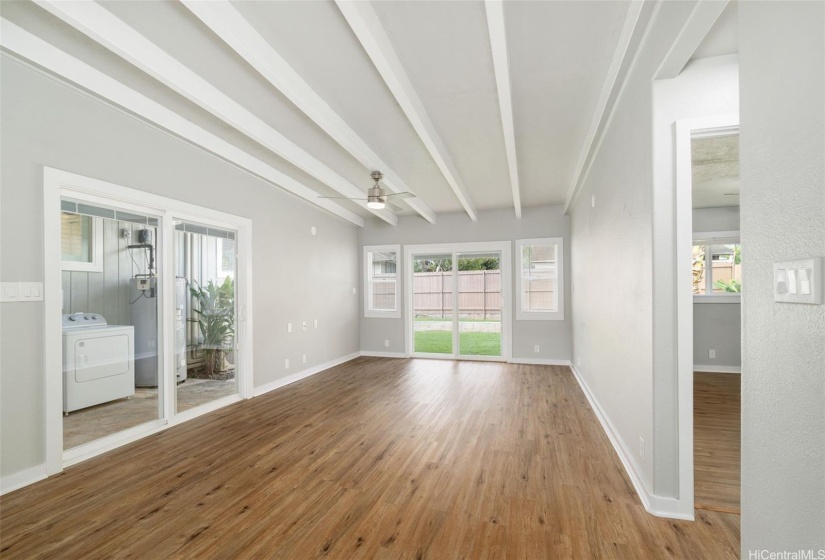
(83, 319)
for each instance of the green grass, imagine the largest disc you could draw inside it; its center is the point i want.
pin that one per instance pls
(472, 343)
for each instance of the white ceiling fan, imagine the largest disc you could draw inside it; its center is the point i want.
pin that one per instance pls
(377, 196)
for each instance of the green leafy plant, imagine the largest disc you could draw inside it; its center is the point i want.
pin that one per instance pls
(215, 315)
(733, 286)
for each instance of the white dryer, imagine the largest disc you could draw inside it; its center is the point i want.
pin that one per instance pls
(98, 361)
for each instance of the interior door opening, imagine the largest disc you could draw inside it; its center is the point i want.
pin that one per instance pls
(717, 285)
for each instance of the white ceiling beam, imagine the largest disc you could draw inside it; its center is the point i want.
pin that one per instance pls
(26, 46)
(638, 15)
(228, 24)
(368, 29)
(501, 65)
(696, 28)
(104, 27)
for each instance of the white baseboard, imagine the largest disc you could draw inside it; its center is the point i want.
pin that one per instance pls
(540, 362)
(660, 506)
(717, 369)
(23, 478)
(278, 383)
(383, 354)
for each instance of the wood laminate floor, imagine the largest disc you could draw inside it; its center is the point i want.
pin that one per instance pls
(376, 458)
(717, 441)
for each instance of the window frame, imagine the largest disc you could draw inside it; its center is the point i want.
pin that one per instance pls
(558, 314)
(709, 238)
(96, 264)
(368, 283)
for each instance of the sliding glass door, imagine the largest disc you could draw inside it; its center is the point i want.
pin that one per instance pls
(457, 300)
(433, 311)
(112, 365)
(479, 304)
(147, 313)
(205, 314)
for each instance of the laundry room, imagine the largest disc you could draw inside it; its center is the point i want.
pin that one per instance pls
(112, 274)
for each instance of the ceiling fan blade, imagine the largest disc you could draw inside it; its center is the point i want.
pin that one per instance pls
(394, 207)
(400, 195)
(343, 197)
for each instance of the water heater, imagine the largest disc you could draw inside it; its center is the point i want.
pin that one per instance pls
(145, 321)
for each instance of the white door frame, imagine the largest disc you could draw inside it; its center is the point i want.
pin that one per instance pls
(686, 130)
(504, 247)
(57, 184)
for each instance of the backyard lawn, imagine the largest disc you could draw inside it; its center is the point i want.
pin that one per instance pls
(472, 343)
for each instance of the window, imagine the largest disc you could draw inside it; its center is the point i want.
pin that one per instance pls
(717, 266)
(226, 258)
(381, 281)
(81, 242)
(540, 290)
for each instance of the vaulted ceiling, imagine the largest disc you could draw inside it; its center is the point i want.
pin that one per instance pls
(470, 105)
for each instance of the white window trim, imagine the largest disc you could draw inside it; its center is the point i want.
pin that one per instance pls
(367, 291)
(716, 238)
(96, 264)
(557, 315)
(56, 184)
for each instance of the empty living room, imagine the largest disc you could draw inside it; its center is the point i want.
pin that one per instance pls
(414, 279)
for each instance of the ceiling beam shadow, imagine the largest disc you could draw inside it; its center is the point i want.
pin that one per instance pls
(92, 82)
(228, 24)
(368, 29)
(102, 26)
(501, 64)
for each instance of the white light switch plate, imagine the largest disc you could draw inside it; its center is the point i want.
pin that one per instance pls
(21, 291)
(798, 281)
(9, 291)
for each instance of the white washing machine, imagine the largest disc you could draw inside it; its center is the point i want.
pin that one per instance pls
(98, 361)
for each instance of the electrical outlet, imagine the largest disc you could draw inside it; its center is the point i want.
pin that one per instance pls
(354, 291)
(286, 363)
(387, 343)
(304, 325)
(316, 323)
(712, 354)
(305, 358)
(536, 348)
(289, 327)
(642, 448)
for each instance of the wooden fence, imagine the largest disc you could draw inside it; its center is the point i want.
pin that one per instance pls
(479, 294)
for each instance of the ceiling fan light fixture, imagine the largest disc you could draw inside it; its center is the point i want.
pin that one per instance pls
(375, 204)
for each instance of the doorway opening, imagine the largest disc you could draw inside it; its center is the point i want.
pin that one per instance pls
(716, 290)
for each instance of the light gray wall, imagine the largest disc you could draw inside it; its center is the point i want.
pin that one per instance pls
(716, 219)
(613, 273)
(717, 326)
(705, 87)
(553, 337)
(782, 55)
(296, 276)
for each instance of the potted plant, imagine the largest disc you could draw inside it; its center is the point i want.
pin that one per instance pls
(215, 315)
